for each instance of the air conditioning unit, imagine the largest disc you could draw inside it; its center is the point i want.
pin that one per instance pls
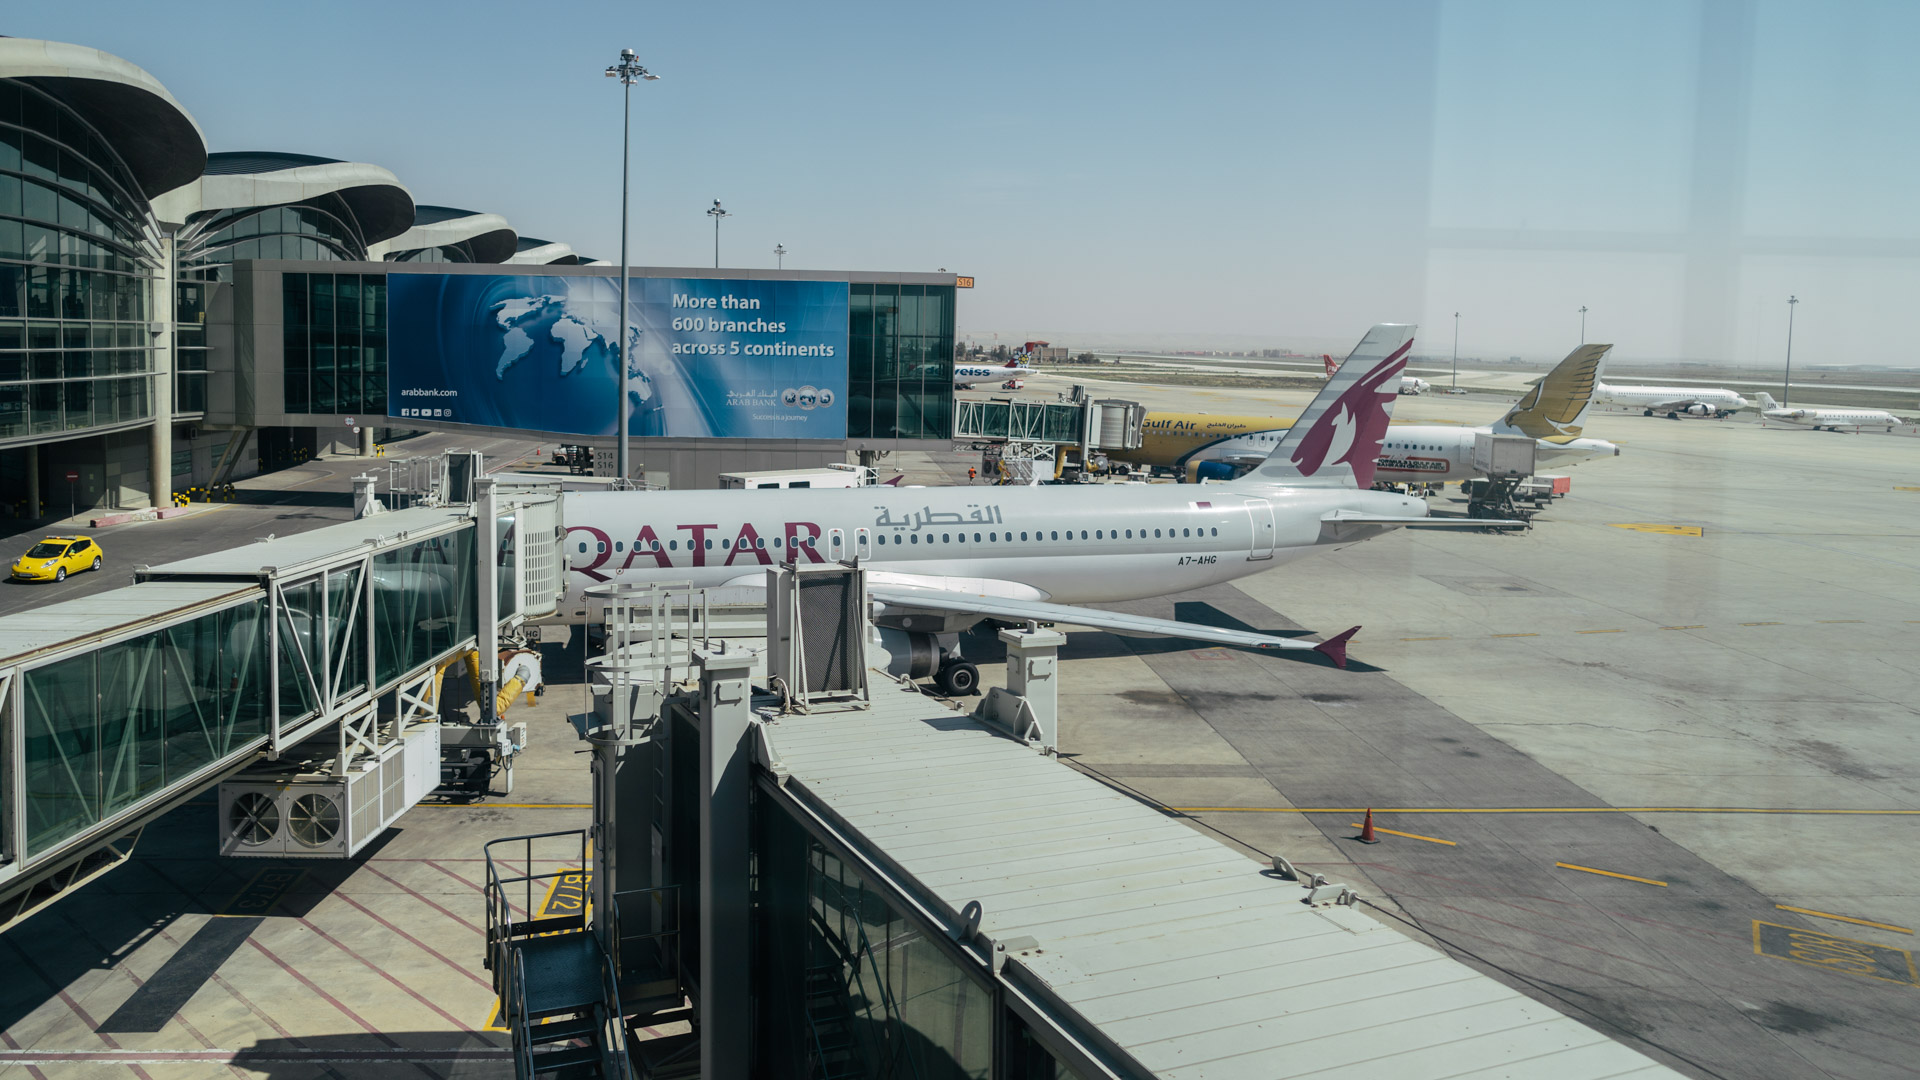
(286, 813)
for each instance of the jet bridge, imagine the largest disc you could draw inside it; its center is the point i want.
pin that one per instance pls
(310, 661)
(1022, 437)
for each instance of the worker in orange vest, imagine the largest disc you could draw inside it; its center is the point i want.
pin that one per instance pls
(971, 474)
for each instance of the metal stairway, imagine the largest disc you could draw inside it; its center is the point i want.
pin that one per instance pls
(559, 997)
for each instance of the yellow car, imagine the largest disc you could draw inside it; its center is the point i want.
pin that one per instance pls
(55, 557)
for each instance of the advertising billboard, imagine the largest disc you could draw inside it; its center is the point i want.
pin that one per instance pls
(710, 358)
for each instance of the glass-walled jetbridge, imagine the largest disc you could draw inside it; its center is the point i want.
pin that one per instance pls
(316, 657)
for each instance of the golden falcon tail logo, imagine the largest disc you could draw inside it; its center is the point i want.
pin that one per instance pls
(1554, 405)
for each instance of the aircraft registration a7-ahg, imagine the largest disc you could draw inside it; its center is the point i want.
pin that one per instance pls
(940, 560)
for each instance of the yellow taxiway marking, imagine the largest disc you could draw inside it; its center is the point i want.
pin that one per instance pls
(1426, 639)
(1762, 624)
(1411, 835)
(1513, 635)
(1599, 631)
(1906, 488)
(1663, 530)
(1844, 918)
(1535, 810)
(1696, 626)
(1849, 956)
(1832, 622)
(1609, 873)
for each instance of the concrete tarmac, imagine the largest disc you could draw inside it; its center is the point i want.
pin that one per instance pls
(1654, 762)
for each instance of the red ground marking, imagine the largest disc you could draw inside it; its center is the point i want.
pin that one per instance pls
(423, 946)
(422, 897)
(375, 968)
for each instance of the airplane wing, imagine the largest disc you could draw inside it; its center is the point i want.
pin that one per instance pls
(1340, 526)
(1017, 610)
(1012, 601)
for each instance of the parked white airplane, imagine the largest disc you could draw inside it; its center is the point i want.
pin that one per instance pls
(1831, 419)
(943, 559)
(1216, 447)
(1408, 384)
(965, 375)
(1675, 401)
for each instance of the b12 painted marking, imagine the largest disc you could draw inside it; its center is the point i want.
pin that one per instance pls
(1834, 953)
(263, 892)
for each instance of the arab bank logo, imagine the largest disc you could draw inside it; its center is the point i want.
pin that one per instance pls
(809, 397)
(789, 397)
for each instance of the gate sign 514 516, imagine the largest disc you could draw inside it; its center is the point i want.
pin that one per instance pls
(708, 358)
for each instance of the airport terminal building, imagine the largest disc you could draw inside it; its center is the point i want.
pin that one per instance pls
(171, 317)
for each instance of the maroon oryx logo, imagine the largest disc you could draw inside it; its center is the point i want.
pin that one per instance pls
(1351, 429)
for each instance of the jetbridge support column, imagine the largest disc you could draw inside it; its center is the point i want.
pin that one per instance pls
(486, 509)
(726, 767)
(1029, 706)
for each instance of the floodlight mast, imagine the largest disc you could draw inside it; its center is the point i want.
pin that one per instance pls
(716, 214)
(780, 253)
(628, 71)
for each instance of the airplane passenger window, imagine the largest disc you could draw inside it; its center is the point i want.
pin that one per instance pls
(809, 541)
(776, 541)
(709, 545)
(656, 545)
(619, 545)
(673, 545)
(1056, 536)
(1129, 534)
(759, 543)
(993, 538)
(583, 547)
(1216, 532)
(1186, 532)
(914, 539)
(600, 547)
(1156, 534)
(1023, 536)
(976, 538)
(945, 538)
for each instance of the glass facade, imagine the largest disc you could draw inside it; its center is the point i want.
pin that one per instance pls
(900, 361)
(849, 985)
(75, 274)
(106, 729)
(335, 337)
(423, 602)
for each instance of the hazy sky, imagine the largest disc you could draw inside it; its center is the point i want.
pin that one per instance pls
(1278, 173)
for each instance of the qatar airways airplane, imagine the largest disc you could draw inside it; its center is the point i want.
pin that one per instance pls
(940, 560)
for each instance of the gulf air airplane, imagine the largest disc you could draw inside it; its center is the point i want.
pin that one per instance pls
(940, 560)
(1831, 419)
(1675, 401)
(1196, 446)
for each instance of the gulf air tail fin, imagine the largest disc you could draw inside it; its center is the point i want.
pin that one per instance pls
(1559, 402)
(1335, 442)
(1766, 401)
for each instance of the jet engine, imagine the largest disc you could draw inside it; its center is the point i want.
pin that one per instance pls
(1213, 470)
(1699, 409)
(915, 655)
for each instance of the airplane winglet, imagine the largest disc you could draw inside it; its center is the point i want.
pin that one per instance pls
(1335, 648)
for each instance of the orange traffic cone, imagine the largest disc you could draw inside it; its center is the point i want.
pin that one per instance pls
(1366, 829)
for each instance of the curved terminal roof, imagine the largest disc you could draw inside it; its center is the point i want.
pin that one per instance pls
(543, 252)
(487, 236)
(378, 200)
(157, 138)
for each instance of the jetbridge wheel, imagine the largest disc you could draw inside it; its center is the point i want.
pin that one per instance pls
(958, 679)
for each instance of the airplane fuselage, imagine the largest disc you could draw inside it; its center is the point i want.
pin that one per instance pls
(1411, 453)
(1066, 544)
(1649, 396)
(1834, 418)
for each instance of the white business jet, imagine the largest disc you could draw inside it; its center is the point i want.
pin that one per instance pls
(1831, 419)
(940, 560)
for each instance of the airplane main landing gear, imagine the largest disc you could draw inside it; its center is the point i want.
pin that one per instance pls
(958, 679)
(1647, 412)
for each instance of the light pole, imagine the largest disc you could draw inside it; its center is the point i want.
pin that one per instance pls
(1583, 324)
(716, 214)
(1456, 350)
(1786, 384)
(780, 253)
(628, 71)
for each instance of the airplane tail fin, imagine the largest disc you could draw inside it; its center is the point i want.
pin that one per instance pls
(1335, 442)
(1331, 365)
(1558, 402)
(1766, 401)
